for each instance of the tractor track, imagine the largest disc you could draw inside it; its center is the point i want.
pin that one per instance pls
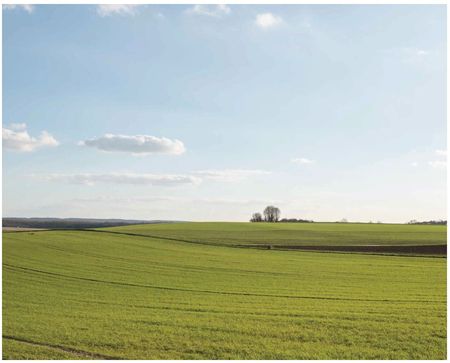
(232, 293)
(78, 352)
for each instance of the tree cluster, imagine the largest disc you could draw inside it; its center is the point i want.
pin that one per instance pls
(271, 214)
(438, 222)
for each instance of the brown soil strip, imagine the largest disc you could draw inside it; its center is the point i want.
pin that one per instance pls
(78, 352)
(412, 249)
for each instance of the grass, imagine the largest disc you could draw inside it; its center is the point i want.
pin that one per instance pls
(90, 295)
(295, 234)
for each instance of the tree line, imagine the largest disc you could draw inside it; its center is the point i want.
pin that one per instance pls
(272, 214)
(438, 222)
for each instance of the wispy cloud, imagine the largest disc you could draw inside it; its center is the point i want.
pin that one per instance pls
(116, 9)
(421, 52)
(267, 20)
(136, 145)
(302, 161)
(229, 175)
(231, 201)
(413, 54)
(170, 199)
(27, 7)
(120, 178)
(210, 10)
(438, 164)
(16, 138)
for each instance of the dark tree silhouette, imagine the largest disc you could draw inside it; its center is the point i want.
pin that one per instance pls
(271, 214)
(256, 217)
(438, 222)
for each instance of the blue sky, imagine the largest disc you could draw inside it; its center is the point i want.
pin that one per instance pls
(213, 112)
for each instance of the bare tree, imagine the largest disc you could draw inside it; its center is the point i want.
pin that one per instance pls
(271, 214)
(256, 217)
(277, 214)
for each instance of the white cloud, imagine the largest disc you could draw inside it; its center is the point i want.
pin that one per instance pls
(27, 7)
(267, 20)
(414, 52)
(137, 145)
(116, 9)
(421, 52)
(210, 10)
(438, 164)
(17, 138)
(413, 55)
(415, 164)
(229, 175)
(18, 127)
(121, 178)
(302, 161)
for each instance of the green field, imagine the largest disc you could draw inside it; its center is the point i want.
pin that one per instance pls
(295, 233)
(350, 237)
(91, 295)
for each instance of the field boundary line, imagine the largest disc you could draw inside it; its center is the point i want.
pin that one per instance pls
(383, 250)
(234, 293)
(167, 238)
(75, 351)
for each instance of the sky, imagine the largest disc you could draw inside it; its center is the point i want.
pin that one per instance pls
(211, 113)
